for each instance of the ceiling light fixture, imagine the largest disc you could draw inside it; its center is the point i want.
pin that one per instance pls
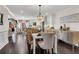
(40, 17)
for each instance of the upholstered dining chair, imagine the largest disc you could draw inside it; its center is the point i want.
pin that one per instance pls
(48, 42)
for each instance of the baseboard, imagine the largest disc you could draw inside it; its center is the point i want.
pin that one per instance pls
(67, 43)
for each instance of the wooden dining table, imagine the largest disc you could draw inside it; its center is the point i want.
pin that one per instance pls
(35, 37)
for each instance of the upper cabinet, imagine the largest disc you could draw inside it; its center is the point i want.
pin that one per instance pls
(70, 18)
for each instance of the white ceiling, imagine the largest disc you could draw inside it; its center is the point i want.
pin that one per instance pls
(32, 10)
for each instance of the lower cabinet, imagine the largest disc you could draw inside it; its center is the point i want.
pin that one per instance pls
(3, 39)
(66, 36)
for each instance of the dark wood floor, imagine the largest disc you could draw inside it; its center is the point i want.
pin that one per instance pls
(20, 47)
(65, 48)
(14, 46)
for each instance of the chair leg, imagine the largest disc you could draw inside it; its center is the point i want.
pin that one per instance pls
(29, 48)
(45, 51)
(50, 51)
(72, 48)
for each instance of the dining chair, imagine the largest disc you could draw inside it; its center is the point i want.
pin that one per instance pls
(29, 32)
(48, 42)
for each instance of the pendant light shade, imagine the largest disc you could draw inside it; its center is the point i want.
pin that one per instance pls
(40, 17)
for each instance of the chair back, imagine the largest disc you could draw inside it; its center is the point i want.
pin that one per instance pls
(48, 39)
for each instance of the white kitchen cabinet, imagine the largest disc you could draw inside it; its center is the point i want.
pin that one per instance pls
(3, 39)
(65, 36)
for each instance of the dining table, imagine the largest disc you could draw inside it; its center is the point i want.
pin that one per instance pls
(36, 37)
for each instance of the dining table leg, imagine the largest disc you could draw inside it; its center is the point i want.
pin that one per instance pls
(34, 45)
(55, 45)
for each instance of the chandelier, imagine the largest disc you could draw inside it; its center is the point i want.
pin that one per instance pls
(40, 17)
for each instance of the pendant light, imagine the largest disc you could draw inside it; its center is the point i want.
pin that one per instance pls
(40, 17)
